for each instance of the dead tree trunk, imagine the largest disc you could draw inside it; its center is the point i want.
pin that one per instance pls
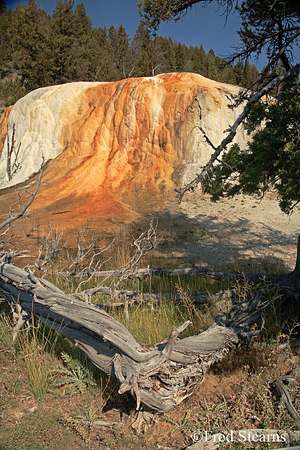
(159, 376)
(295, 275)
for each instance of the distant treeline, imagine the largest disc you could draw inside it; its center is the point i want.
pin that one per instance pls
(38, 50)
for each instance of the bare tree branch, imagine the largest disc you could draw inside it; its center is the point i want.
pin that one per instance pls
(142, 245)
(11, 164)
(49, 248)
(25, 207)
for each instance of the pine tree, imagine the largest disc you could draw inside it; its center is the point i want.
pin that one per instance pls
(5, 47)
(213, 71)
(3, 7)
(120, 50)
(228, 75)
(181, 53)
(238, 71)
(271, 159)
(82, 24)
(249, 76)
(62, 39)
(166, 57)
(102, 66)
(70, 42)
(30, 39)
(143, 53)
(198, 58)
(80, 50)
(10, 89)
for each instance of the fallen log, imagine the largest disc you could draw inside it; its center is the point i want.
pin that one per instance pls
(159, 376)
(188, 271)
(135, 297)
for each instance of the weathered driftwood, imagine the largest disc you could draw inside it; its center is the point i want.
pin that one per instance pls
(159, 376)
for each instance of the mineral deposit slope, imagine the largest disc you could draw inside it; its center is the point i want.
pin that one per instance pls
(111, 148)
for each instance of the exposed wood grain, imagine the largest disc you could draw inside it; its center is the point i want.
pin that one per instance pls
(159, 376)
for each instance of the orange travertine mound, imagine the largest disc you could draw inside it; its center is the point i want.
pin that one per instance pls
(112, 148)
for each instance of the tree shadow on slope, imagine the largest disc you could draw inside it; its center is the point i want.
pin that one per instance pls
(202, 235)
(237, 244)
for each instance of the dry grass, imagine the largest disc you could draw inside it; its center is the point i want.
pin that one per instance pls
(236, 396)
(36, 407)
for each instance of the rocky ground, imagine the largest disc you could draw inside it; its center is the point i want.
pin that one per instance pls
(242, 232)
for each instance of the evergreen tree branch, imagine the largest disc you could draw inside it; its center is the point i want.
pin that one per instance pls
(277, 57)
(252, 100)
(246, 53)
(154, 12)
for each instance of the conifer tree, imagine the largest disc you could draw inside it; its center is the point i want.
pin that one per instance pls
(181, 53)
(249, 76)
(198, 58)
(80, 50)
(102, 66)
(166, 55)
(62, 39)
(143, 53)
(271, 28)
(10, 89)
(5, 48)
(212, 68)
(70, 41)
(272, 157)
(120, 50)
(30, 38)
(3, 7)
(82, 23)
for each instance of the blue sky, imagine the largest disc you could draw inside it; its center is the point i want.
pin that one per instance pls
(204, 26)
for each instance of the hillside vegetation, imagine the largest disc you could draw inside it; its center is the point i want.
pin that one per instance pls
(38, 50)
